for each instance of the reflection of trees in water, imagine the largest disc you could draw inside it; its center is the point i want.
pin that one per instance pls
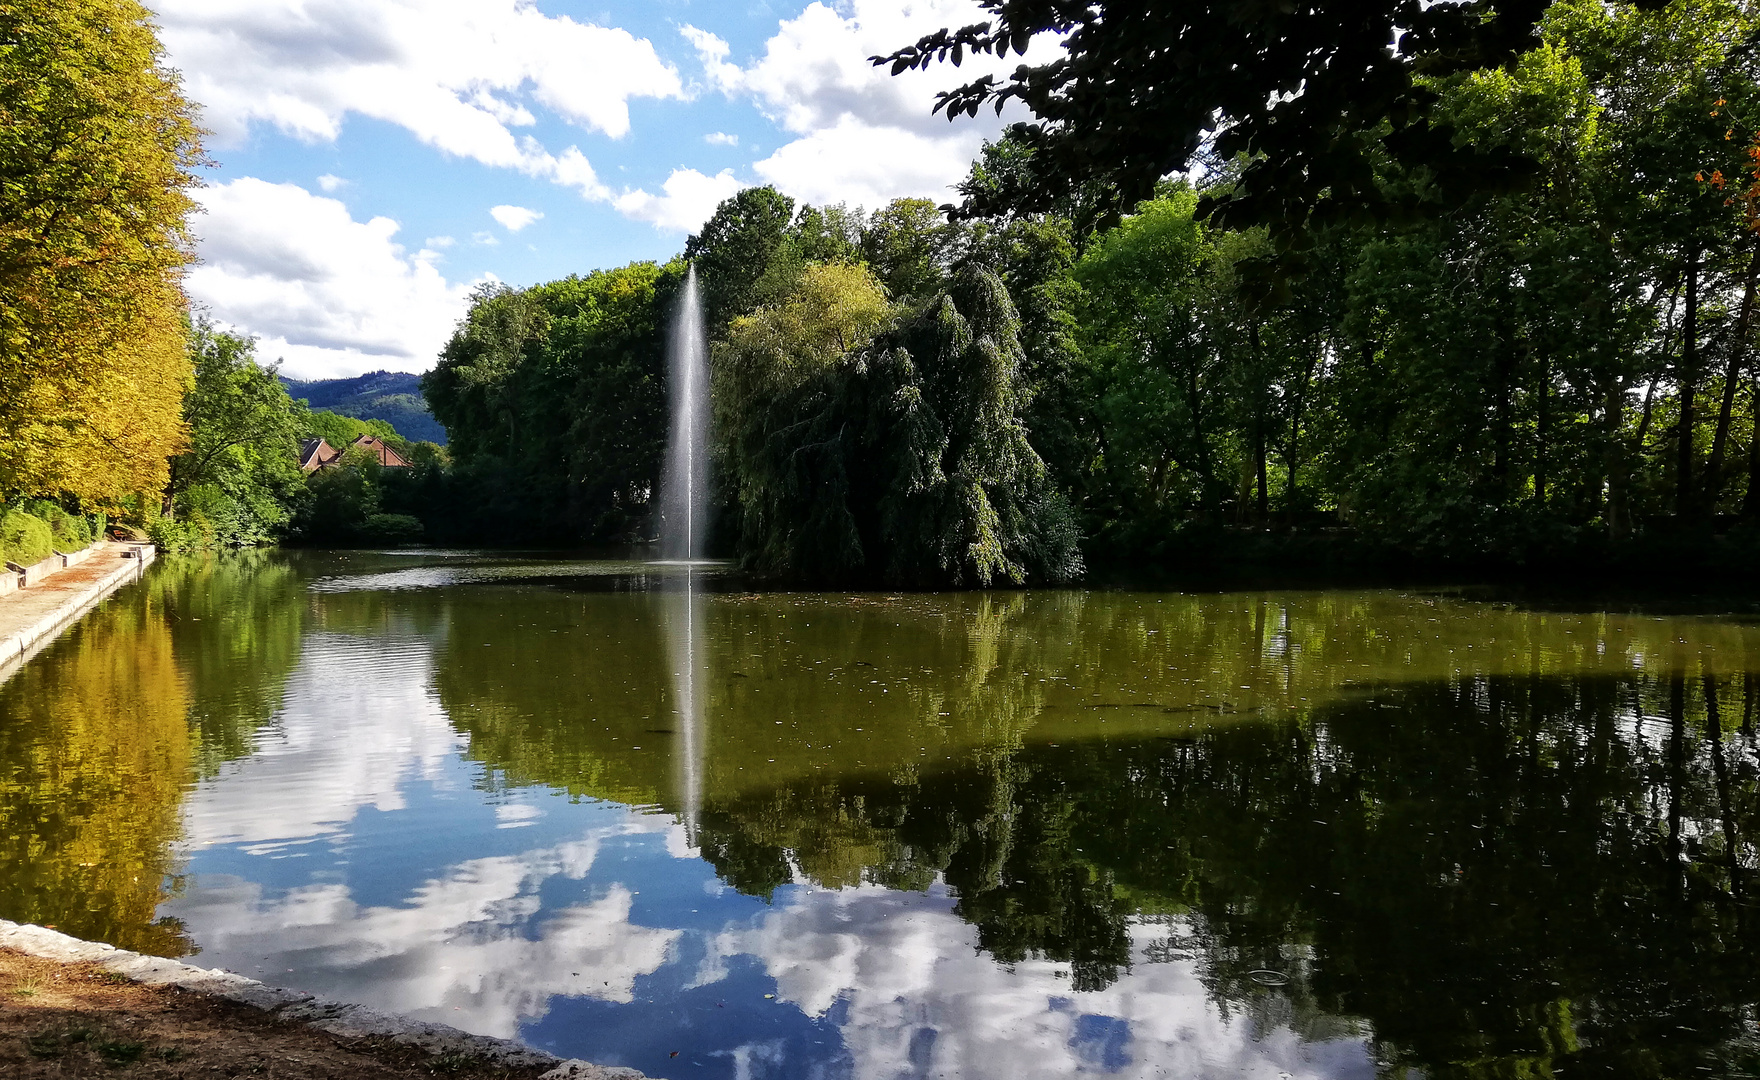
(100, 735)
(235, 622)
(93, 758)
(1499, 873)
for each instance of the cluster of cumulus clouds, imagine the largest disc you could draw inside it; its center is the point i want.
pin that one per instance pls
(493, 942)
(478, 81)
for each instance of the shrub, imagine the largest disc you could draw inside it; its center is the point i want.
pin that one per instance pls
(24, 538)
(70, 532)
(177, 537)
(392, 529)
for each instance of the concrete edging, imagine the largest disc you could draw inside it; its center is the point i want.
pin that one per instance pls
(19, 643)
(296, 1006)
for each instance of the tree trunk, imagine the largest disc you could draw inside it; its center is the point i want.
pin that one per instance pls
(1259, 421)
(1540, 422)
(1725, 805)
(1505, 405)
(1689, 388)
(1194, 403)
(1290, 458)
(1615, 510)
(1732, 375)
(1674, 298)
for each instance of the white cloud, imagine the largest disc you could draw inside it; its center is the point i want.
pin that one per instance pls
(721, 138)
(853, 162)
(330, 294)
(439, 243)
(865, 136)
(331, 752)
(907, 979)
(514, 218)
(473, 947)
(329, 182)
(460, 75)
(688, 198)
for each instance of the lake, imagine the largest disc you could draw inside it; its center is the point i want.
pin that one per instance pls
(712, 833)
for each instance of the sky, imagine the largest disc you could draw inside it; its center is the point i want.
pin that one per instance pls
(374, 160)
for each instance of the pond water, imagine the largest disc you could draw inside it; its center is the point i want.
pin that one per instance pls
(1300, 834)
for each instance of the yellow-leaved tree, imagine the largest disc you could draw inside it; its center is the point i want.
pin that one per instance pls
(97, 148)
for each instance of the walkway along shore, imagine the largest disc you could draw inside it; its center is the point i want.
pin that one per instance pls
(31, 618)
(294, 1006)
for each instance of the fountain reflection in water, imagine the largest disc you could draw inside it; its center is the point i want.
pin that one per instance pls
(683, 523)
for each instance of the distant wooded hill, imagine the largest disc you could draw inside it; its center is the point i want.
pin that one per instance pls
(392, 396)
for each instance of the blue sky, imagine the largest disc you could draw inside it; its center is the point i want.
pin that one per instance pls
(377, 158)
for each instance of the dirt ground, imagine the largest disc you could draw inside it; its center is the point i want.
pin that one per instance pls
(65, 1021)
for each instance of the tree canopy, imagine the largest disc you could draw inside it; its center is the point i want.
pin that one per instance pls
(96, 152)
(1311, 93)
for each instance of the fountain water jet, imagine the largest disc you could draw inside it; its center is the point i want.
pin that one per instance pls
(684, 504)
(684, 480)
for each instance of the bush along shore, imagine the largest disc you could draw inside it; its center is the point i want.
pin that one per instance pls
(31, 530)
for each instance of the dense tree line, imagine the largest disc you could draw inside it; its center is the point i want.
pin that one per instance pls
(97, 149)
(1554, 364)
(554, 402)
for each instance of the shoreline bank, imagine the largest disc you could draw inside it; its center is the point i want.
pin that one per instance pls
(33, 617)
(296, 1007)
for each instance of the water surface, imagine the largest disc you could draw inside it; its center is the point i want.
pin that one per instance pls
(1304, 834)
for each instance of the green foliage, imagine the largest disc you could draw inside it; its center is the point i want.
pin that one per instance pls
(869, 448)
(69, 532)
(736, 249)
(236, 484)
(392, 530)
(98, 151)
(1558, 367)
(1310, 95)
(339, 430)
(25, 539)
(905, 245)
(554, 404)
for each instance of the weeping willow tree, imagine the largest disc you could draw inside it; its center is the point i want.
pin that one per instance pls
(886, 443)
(96, 148)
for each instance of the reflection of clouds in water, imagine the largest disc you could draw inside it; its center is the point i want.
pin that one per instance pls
(456, 952)
(920, 999)
(516, 815)
(476, 573)
(360, 720)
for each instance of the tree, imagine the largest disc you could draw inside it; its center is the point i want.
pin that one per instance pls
(553, 398)
(242, 464)
(1312, 93)
(906, 245)
(96, 154)
(871, 448)
(735, 249)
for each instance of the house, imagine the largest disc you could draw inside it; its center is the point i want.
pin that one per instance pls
(388, 457)
(315, 454)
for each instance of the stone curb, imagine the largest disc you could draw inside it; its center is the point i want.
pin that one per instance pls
(15, 648)
(296, 1006)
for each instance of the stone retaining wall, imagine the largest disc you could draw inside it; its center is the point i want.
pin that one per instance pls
(295, 1006)
(31, 618)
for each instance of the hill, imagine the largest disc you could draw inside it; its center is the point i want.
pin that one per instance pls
(392, 396)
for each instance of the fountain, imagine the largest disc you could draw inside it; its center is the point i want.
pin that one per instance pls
(684, 500)
(684, 486)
